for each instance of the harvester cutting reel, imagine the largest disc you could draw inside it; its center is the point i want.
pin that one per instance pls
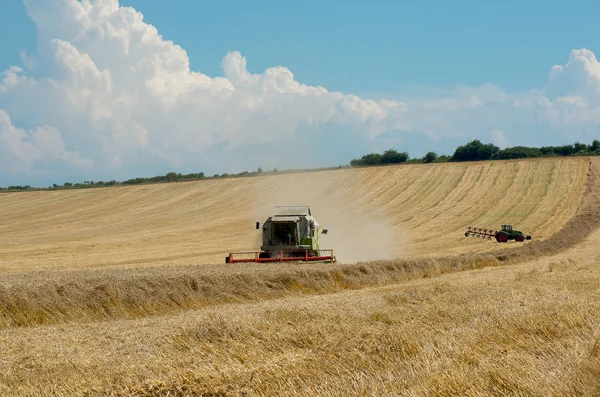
(502, 236)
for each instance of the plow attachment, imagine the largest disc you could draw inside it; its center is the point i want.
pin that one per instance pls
(481, 233)
(282, 256)
(502, 236)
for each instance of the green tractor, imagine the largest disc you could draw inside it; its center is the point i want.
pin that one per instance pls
(506, 233)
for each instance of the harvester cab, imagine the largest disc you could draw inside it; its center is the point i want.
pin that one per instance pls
(291, 234)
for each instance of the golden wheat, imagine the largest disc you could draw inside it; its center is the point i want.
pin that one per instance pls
(109, 320)
(374, 213)
(49, 297)
(528, 329)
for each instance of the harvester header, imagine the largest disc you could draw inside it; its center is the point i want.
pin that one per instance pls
(291, 235)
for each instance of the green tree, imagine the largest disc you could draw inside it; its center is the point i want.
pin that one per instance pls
(392, 156)
(518, 152)
(565, 150)
(430, 157)
(474, 151)
(579, 147)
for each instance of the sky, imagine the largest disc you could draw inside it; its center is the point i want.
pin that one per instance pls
(102, 89)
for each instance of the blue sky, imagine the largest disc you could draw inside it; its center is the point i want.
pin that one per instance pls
(362, 47)
(377, 46)
(444, 64)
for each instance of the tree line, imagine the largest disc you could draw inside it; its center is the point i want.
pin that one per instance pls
(472, 151)
(478, 151)
(168, 177)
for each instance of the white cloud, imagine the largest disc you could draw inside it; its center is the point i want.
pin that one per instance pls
(498, 139)
(121, 94)
(579, 77)
(28, 60)
(127, 100)
(22, 150)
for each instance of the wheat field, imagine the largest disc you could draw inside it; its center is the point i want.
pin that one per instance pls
(373, 213)
(122, 291)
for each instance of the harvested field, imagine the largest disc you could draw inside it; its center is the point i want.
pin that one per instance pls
(454, 316)
(530, 329)
(374, 213)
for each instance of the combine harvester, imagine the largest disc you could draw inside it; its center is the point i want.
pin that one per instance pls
(502, 236)
(290, 235)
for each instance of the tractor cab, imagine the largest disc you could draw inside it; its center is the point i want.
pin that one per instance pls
(507, 228)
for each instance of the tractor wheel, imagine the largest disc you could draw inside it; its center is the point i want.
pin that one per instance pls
(502, 237)
(520, 238)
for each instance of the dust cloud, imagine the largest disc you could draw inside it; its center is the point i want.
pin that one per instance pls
(357, 229)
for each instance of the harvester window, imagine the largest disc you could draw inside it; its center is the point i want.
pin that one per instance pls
(284, 233)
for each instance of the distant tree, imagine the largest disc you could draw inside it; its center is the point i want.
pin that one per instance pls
(579, 147)
(430, 157)
(260, 170)
(548, 151)
(475, 151)
(371, 159)
(595, 146)
(518, 152)
(565, 150)
(392, 156)
(68, 184)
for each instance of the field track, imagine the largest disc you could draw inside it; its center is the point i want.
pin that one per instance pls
(87, 310)
(372, 213)
(451, 320)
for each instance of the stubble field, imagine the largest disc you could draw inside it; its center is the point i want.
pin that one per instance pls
(123, 291)
(374, 213)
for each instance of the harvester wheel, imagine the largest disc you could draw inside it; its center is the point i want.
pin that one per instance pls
(519, 238)
(502, 237)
